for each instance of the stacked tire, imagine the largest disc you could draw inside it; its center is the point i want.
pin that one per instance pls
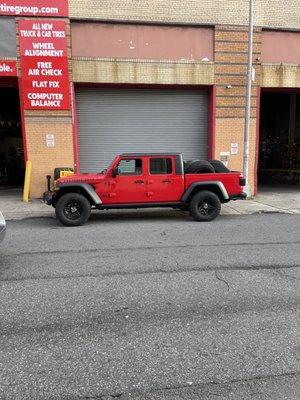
(198, 167)
(219, 166)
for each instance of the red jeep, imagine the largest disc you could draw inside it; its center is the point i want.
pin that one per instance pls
(147, 180)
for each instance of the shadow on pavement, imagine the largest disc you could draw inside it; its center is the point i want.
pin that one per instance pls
(121, 216)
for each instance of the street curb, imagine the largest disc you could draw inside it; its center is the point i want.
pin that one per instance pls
(225, 212)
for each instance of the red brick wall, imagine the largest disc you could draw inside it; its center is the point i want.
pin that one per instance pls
(231, 48)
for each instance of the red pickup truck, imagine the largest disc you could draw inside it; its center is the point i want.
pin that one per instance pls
(147, 180)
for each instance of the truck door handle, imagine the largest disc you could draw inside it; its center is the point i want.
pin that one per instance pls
(139, 182)
(167, 181)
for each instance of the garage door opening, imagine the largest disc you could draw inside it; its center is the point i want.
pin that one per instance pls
(279, 154)
(113, 121)
(11, 142)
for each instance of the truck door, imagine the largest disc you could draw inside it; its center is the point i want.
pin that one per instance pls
(163, 184)
(129, 186)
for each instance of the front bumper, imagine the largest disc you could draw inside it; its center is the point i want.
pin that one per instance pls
(2, 227)
(240, 196)
(48, 198)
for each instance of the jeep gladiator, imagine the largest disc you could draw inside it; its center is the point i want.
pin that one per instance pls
(140, 180)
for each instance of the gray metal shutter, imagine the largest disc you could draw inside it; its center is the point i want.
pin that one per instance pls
(115, 121)
(8, 41)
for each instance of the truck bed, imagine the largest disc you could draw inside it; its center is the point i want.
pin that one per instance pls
(231, 180)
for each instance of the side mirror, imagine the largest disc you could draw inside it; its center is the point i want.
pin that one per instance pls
(115, 172)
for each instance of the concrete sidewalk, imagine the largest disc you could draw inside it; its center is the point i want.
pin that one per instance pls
(269, 199)
(272, 200)
(12, 206)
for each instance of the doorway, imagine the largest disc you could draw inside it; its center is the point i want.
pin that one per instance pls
(11, 141)
(279, 147)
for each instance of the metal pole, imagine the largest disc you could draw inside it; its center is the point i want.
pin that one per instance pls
(248, 101)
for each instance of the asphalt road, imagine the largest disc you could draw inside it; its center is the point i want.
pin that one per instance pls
(151, 305)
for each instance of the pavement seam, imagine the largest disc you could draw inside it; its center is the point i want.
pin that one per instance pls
(146, 248)
(181, 270)
(185, 386)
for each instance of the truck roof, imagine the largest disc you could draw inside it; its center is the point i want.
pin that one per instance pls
(149, 154)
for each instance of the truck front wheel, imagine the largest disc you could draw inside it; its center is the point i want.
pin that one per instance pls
(205, 206)
(73, 209)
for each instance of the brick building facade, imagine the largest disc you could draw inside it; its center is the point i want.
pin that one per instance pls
(199, 48)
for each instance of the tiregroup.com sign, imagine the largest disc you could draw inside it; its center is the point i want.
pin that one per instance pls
(44, 63)
(8, 68)
(39, 8)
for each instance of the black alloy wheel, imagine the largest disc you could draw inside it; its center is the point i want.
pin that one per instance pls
(73, 209)
(205, 206)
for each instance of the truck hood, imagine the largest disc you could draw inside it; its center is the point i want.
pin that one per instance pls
(80, 178)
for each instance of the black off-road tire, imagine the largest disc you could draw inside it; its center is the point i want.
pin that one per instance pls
(205, 206)
(198, 167)
(219, 166)
(188, 163)
(73, 209)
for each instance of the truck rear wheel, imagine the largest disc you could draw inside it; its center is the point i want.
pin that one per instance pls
(73, 209)
(205, 206)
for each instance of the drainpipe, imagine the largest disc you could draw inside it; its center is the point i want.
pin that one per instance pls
(248, 102)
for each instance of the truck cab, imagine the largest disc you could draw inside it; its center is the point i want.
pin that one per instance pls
(141, 178)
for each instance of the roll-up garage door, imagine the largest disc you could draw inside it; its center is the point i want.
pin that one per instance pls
(115, 121)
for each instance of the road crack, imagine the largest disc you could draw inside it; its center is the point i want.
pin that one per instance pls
(222, 280)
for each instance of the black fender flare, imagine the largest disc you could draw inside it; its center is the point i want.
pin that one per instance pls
(202, 185)
(86, 188)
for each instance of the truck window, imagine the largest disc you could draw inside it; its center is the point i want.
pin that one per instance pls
(160, 166)
(130, 167)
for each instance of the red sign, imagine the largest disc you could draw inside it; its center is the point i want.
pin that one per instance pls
(44, 62)
(43, 38)
(8, 68)
(39, 8)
